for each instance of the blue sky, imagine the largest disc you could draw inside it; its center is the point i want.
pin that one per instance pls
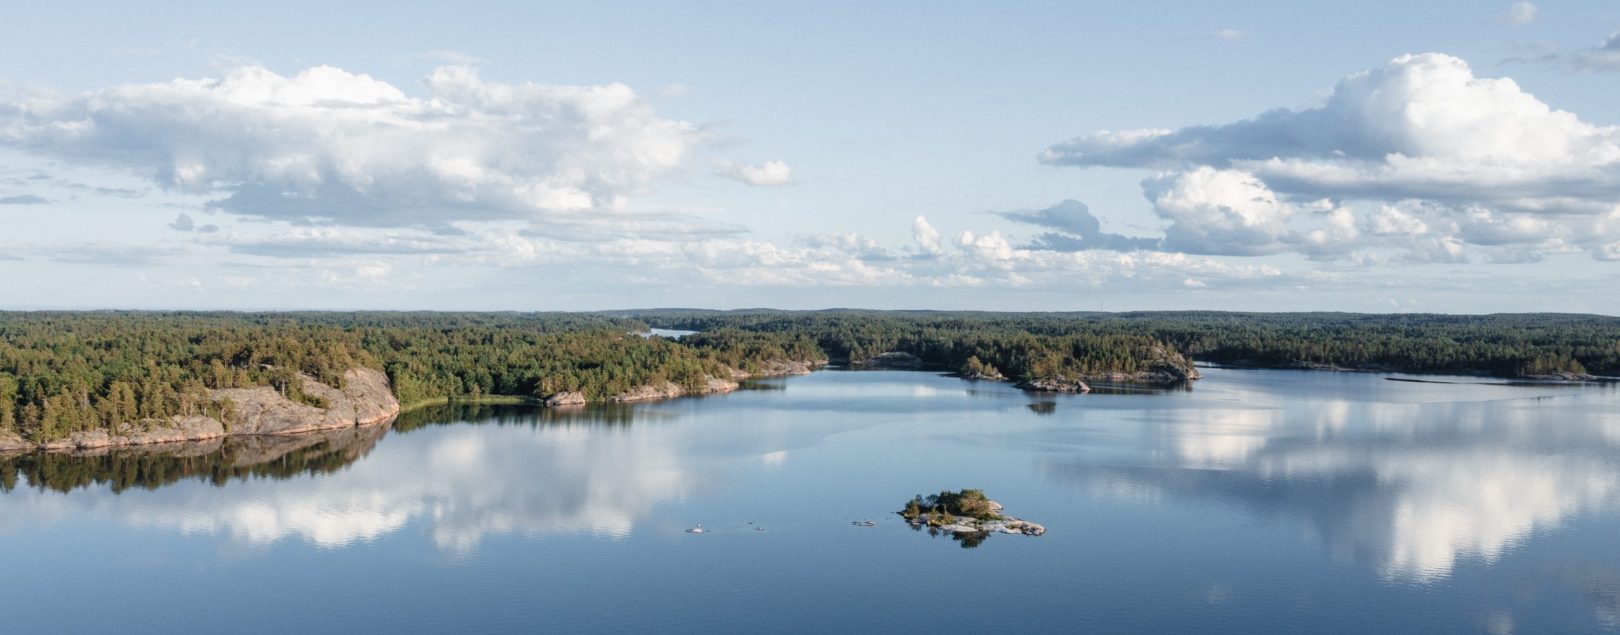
(1455, 157)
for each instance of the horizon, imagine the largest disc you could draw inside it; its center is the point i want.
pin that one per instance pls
(832, 309)
(1033, 157)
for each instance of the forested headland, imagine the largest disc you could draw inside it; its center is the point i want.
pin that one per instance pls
(67, 372)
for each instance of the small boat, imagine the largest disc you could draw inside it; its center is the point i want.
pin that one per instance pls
(696, 530)
(864, 523)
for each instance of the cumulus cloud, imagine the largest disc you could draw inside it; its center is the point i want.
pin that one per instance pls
(769, 173)
(344, 147)
(1604, 57)
(1218, 211)
(931, 259)
(1521, 13)
(926, 237)
(967, 259)
(1479, 160)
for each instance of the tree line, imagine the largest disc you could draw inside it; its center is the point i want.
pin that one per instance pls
(64, 372)
(1506, 345)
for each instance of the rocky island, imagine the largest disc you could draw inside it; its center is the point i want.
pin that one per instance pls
(967, 515)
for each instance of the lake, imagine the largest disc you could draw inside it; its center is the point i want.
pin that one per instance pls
(1254, 502)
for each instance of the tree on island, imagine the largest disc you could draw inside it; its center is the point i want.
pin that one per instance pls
(942, 508)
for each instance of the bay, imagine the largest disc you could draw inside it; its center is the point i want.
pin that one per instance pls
(1254, 501)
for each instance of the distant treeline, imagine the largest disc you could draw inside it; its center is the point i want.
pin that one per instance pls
(1016, 345)
(62, 372)
(1506, 345)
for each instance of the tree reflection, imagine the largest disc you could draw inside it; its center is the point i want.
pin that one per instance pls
(216, 461)
(220, 461)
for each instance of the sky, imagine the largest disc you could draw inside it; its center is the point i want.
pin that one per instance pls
(1456, 157)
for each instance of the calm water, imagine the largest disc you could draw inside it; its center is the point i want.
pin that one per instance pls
(1257, 502)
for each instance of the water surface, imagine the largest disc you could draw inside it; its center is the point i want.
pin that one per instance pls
(1256, 502)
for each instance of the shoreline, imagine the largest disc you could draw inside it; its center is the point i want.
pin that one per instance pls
(11, 443)
(367, 399)
(1515, 379)
(188, 430)
(24, 446)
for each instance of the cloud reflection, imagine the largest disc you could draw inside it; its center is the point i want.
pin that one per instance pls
(462, 482)
(1410, 489)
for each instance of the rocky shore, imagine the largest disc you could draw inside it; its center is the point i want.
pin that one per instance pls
(1007, 525)
(1054, 384)
(366, 399)
(671, 390)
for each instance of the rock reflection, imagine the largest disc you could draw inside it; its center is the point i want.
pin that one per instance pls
(1043, 407)
(567, 472)
(217, 461)
(1408, 488)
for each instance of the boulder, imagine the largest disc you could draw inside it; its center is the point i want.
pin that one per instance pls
(566, 398)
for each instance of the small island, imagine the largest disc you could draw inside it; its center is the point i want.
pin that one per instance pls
(967, 514)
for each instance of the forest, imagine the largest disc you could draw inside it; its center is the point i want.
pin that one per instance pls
(62, 372)
(1501, 345)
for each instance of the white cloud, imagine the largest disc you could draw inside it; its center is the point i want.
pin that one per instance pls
(1422, 133)
(1522, 13)
(769, 173)
(970, 259)
(927, 238)
(1231, 35)
(334, 145)
(1218, 212)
